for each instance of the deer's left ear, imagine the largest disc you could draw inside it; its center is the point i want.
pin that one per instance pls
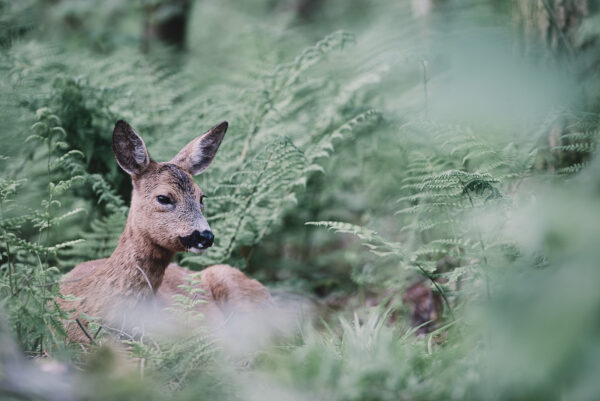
(197, 155)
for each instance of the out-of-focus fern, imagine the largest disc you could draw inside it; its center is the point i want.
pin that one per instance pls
(441, 191)
(567, 140)
(184, 356)
(459, 175)
(16, 19)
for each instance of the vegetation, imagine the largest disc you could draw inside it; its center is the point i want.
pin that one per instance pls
(416, 183)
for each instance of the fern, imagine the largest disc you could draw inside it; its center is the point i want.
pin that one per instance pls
(178, 358)
(251, 199)
(29, 277)
(332, 135)
(460, 175)
(382, 248)
(371, 239)
(251, 190)
(97, 243)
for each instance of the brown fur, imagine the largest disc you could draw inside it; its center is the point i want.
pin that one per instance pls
(139, 270)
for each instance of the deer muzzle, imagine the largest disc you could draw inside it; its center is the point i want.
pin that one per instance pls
(198, 240)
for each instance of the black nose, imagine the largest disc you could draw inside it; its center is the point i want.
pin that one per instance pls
(205, 239)
(198, 239)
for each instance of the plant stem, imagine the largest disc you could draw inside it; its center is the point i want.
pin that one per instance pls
(482, 245)
(554, 21)
(442, 294)
(8, 261)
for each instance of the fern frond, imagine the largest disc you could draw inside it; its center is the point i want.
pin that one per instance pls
(370, 238)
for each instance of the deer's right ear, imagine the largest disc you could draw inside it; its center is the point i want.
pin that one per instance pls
(197, 155)
(129, 148)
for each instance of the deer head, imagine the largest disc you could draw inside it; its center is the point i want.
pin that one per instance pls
(166, 203)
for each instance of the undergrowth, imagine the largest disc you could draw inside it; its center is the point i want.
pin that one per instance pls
(393, 137)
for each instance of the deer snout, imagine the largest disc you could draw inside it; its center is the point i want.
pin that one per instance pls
(206, 238)
(198, 240)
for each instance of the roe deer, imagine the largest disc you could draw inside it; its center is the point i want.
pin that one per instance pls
(165, 217)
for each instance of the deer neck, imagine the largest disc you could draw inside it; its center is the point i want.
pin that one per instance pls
(138, 263)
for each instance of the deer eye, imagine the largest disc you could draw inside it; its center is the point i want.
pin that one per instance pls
(164, 200)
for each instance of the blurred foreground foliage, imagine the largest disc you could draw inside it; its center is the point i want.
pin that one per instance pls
(437, 156)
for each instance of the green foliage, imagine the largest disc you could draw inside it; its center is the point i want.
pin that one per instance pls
(252, 198)
(29, 275)
(180, 357)
(15, 19)
(451, 160)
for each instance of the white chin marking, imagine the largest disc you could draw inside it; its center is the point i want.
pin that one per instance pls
(197, 250)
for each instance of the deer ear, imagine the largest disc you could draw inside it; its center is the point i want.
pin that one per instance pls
(129, 148)
(197, 155)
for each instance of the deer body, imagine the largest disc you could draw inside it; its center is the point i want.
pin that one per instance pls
(165, 217)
